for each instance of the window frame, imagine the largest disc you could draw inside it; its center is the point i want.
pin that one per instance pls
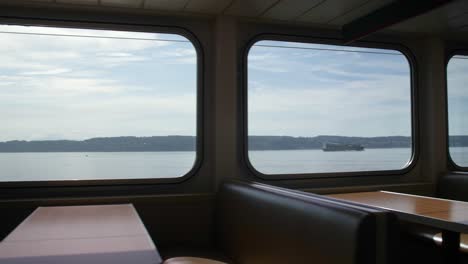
(327, 41)
(451, 164)
(95, 24)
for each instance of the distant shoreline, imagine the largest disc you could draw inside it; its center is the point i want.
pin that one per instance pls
(143, 151)
(188, 143)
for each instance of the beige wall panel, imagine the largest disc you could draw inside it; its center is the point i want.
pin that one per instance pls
(80, 2)
(252, 8)
(427, 23)
(457, 14)
(207, 6)
(459, 22)
(291, 9)
(436, 21)
(456, 9)
(165, 4)
(330, 10)
(360, 11)
(122, 3)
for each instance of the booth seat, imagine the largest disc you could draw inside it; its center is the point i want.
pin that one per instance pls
(257, 223)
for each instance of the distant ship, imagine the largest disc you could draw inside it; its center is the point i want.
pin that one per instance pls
(342, 147)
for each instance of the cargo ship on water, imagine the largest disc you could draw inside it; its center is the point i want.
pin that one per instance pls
(342, 147)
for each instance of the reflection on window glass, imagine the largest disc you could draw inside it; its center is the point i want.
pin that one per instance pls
(321, 108)
(78, 104)
(457, 78)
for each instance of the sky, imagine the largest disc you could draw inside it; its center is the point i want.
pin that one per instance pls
(457, 92)
(58, 83)
(94, 83)
(309, 91)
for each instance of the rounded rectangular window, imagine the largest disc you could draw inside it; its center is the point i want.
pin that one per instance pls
(315, 108)
(457, 99)
(85, 104)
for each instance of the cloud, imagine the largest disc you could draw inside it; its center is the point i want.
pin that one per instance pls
(266, 61)
(76, 88)
(307, 112)
(457, 78)
(326, 59)
(94, 108)
(58, 46)
(42, 85)
(335, 93)
(58, 38)
(457, 95)
(186, 55)
(46, 72)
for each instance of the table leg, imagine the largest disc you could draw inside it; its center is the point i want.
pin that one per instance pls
(451, 247)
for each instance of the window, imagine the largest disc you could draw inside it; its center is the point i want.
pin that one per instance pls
(316, 108)
(81, 104)
(457, 98)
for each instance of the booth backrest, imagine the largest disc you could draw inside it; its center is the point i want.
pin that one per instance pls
(387, 223)
(257, 225)
(453, 186)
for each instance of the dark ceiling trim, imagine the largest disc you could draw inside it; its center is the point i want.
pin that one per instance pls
(388, 15)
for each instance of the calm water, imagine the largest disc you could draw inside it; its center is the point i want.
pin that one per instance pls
(123, 165)
(459, 155)
(94, 165)
(316, 161)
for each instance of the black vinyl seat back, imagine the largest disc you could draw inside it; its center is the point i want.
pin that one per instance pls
(387, 229)
(256, 225)
(453, 186)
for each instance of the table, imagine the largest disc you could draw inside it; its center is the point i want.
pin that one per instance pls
(80, 235)
(447, 215)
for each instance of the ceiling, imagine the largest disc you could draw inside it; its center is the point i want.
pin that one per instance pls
(451, 19)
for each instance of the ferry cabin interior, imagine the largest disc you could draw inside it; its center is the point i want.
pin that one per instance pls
(257, 68)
